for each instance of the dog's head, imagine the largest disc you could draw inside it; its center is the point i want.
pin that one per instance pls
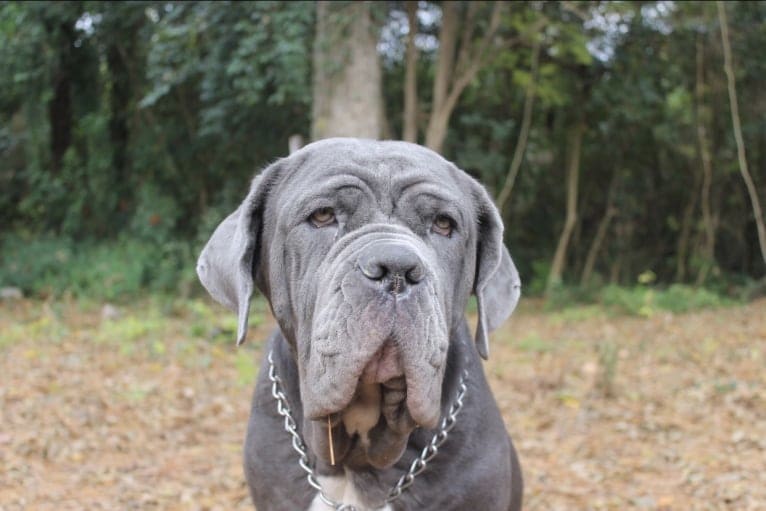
(368, 252)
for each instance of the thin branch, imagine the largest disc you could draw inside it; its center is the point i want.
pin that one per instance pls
(445, 56)
(410, 132)
(751, 189)
(477, 61)
(526, 122)
(569, 6)
(603, 228)
(708, 250)
(466, 41)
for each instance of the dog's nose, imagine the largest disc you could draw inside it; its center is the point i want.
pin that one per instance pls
(394, 265)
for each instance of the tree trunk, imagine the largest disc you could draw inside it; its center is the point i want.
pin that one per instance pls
(526, 123)
(437, 124)
(734, 106)
(410, 129)
(60, 105)
(603, 227)
(347, 90)
(708, 246)
(454, 75)
(614, 271)
(120, 98)
(686, 227)
(60, 115)
(573, 174)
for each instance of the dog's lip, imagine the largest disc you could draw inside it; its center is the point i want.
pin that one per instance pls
(385, 365)
(394, 381)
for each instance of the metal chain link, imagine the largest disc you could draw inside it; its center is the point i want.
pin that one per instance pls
(416, 468)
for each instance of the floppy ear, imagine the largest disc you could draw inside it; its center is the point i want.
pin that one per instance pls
(497, 285)
(225, 266)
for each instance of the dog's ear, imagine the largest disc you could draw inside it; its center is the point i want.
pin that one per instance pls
(226, 265)
(497, 284)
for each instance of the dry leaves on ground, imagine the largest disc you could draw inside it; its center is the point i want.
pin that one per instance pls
(146, 407)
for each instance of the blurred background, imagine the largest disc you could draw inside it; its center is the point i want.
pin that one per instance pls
(604, 130)
(624, 144)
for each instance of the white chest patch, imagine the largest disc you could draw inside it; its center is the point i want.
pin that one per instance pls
(340, 489)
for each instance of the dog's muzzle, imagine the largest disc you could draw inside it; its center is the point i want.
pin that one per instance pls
(378, 320)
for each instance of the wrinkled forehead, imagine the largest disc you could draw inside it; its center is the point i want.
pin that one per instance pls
(387, 168)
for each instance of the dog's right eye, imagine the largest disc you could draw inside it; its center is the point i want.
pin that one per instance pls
(322, 217)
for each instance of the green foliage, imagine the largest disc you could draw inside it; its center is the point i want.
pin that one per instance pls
(639, 300)
(130, 329)
(114, 271)
(679, 298)
(128, 130)
(533, 343)
(208, 323)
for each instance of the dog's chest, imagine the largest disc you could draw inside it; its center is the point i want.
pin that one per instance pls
(341, 489)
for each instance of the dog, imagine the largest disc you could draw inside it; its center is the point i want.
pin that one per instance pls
(372, 394)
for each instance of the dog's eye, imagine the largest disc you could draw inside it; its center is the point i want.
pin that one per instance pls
(322, 217)
(443, 225)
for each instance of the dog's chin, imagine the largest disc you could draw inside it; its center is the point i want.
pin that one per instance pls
(373, 428)
(377, 382)
(372, 431)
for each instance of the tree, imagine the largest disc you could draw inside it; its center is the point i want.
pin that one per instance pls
(410, 129)
(526, 123)
(61, 32)
(347, 88)
(456, 69)
(574, 150)
(603, 227)
(141, 120)
(737, 127)
(702, 120)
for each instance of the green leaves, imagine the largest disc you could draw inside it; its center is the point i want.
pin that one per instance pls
(174, 105)
(247, 53)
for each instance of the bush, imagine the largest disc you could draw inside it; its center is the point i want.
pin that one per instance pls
(562, 296)
(112, 271)
(645, 301)
(639, 300)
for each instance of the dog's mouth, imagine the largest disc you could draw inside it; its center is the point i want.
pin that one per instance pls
(374, 427)
(385, 365)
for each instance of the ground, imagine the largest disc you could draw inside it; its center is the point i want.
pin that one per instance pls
(144, 406)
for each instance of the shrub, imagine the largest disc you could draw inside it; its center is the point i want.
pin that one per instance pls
(112, 271)
(645, 301)
(639, 300)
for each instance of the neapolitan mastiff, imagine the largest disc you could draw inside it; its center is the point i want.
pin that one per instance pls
(367, 252)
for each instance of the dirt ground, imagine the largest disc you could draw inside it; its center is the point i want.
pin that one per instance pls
(144, 407)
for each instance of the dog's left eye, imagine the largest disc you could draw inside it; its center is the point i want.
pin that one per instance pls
(443, 225)
(322, 217)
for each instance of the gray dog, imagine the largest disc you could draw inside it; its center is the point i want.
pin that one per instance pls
(372, 395)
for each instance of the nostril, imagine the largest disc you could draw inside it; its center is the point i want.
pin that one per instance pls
(372, 270)
(415, 274)
(395, 265)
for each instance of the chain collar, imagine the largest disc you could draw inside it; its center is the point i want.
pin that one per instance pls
(416, 468)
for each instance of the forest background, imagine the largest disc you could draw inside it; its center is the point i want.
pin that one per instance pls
(619, 150)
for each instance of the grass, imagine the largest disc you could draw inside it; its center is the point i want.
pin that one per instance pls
(641, 300)
(119, 270)
(533, 343)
